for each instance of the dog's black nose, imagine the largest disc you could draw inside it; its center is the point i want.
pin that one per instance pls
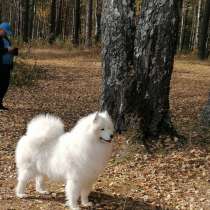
(111, 136)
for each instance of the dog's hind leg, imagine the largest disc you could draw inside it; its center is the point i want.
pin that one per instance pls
(84, 197)
(40, 187)
(23, 177)
(72, 191)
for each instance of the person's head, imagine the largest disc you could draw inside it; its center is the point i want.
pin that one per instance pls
(2, 33)
(5, 29)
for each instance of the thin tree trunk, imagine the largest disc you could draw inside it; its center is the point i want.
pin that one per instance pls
(19, 29)
(59, 23)
(193, 28)
(32, 13)
(197, 25)
(89, 14)
(26, 6)
(76, 27)
(98, 20)
(52, 21)
(70, 21)
(182, 26)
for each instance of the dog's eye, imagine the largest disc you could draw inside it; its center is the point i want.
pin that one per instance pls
(102, 129)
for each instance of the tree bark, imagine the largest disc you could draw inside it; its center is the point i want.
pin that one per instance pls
(117, 57)
(139, 97)
(89, 14)
(155, 47)
(203, 40)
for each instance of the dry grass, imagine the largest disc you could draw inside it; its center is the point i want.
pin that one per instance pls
(173, 179)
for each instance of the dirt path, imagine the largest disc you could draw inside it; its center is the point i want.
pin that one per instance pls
(132, 180)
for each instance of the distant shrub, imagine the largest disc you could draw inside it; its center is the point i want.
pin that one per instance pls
(58, 42)
(26, 75)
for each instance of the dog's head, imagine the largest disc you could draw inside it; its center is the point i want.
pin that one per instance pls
(103, 126)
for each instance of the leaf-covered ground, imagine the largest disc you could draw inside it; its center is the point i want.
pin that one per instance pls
(168, 179)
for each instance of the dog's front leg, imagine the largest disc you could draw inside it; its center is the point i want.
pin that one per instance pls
(40, 187)
(72, 191)
(84, 197)
(23, 176)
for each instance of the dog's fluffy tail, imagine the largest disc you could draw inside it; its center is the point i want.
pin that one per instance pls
(44, 129)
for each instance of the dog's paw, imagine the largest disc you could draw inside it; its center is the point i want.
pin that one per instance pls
(21, 195)
(44, 192)
(88, 204)
(67, 204)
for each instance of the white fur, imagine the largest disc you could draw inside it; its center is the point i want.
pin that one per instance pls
(76, 157)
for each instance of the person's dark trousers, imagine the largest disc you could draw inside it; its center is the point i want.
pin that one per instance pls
(4, 80)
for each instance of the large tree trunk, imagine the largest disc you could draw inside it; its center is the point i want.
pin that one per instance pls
(203, 38)
(139, 97)
(155, 47)
(89, 14)
(117, 38)
(76, 24)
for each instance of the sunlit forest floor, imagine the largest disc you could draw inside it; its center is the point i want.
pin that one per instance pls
(70, 88)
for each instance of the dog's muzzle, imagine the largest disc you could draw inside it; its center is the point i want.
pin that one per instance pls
(106, 141)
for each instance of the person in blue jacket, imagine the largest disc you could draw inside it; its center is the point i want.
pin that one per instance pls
(7, 53)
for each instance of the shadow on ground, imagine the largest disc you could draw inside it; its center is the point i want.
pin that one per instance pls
(105, 202)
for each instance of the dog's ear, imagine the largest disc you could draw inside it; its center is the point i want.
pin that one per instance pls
(106, 113)
(96, 117)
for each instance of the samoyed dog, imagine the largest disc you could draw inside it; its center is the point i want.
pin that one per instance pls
(76, 157)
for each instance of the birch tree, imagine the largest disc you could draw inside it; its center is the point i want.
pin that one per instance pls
(89, 22)
(138, 96)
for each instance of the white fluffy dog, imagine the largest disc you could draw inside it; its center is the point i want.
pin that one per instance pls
(76, 157)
